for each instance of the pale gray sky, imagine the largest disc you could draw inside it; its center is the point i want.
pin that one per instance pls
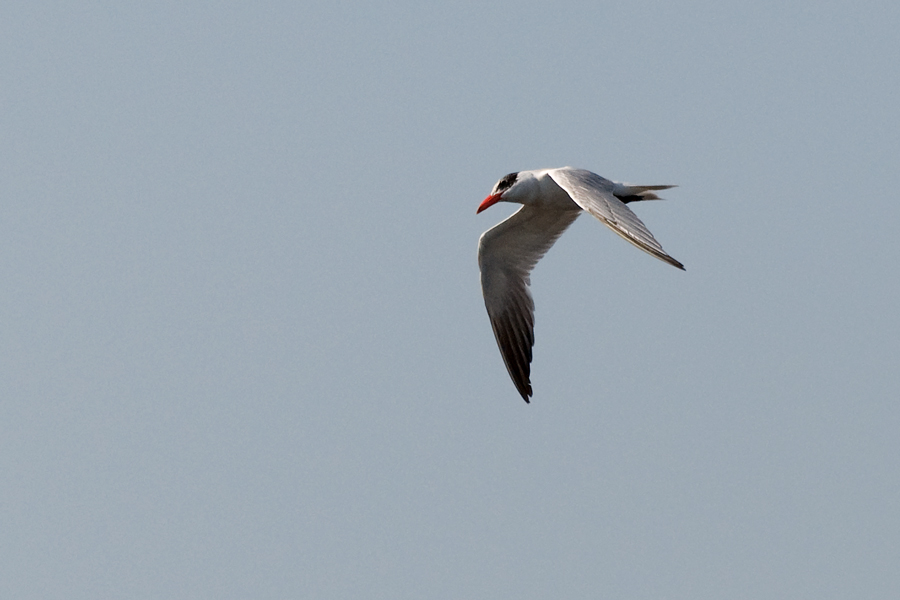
(244, 352)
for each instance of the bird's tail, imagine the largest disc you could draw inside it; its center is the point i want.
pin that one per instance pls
(635, 193)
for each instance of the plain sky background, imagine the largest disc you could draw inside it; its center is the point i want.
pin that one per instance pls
(244, 352)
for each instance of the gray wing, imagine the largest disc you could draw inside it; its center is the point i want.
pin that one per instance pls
(506, 255)
(595, 195)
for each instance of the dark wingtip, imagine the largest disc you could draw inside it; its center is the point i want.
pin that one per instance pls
(674, 262)
(526, 392)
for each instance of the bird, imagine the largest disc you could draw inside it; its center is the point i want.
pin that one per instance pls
(551, 200)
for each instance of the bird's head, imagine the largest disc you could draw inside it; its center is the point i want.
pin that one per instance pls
(502, 192)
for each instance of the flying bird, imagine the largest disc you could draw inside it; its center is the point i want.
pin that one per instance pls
(551, 201)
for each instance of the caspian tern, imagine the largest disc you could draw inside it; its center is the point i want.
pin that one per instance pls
(552, 199)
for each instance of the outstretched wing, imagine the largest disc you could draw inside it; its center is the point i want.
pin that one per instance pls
(506, 255)
(595, 195)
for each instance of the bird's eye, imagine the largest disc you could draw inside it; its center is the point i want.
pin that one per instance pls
(506, 182)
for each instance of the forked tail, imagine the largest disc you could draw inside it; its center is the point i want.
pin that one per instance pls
(635, 193)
